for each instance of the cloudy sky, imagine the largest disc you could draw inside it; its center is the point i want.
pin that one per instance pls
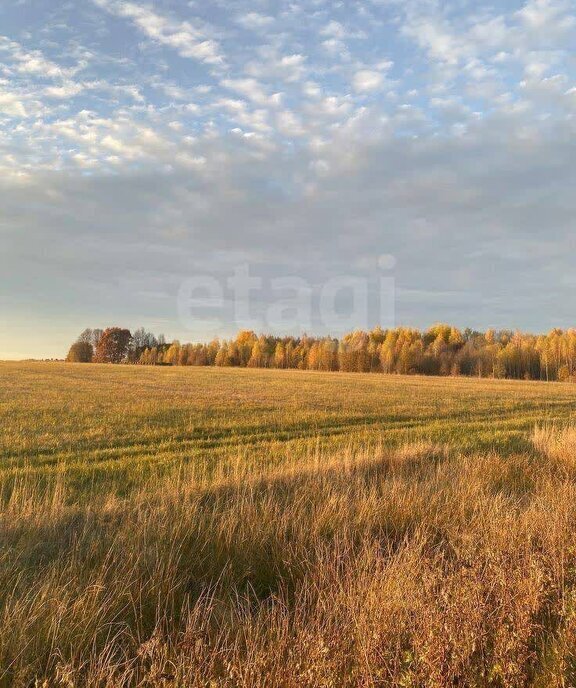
(144, 144)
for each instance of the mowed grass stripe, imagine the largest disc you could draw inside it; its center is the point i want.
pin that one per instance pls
(55, 414)
(241, 406)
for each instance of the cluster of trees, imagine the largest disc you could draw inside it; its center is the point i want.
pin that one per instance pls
(440, 350)
(113, 345)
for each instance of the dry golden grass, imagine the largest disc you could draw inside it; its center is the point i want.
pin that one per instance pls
(558, 444)
(315, 562)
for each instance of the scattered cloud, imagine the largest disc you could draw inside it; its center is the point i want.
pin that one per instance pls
(66, 90)
(14, 58)
(188, 40)
(290, 124)
(255, 21)
(154, 137)
(367, 80)
(253, 90)
(11, 105)
(271, 64)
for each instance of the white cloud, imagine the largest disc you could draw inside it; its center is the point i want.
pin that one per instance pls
(188, 40)
(33, 62)
(436, 37)
(66, 90)
(239, 111)
(331, 106)
(273, 65)
(254, 21)
(335, 30)
(337, 48)
(367, 80)
(289, 124)
(312, 90)
(11, 105)
(253, 90)
(546, 15)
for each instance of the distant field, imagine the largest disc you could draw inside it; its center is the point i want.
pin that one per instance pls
(235, 527)
(113, 418)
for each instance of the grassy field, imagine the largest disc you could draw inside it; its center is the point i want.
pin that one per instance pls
(224, 527)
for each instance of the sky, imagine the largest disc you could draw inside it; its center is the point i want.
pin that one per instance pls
(148, 149)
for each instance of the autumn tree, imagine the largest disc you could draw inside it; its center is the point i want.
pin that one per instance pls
(173, 353)
(113, 345)
(90, 336)
(280, 355)
(440, 350)
(80, 352)
(257, 356)
(85, 337)
(141, 340)
(222, 356)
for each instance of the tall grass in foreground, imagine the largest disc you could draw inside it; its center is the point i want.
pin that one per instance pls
(409, 567)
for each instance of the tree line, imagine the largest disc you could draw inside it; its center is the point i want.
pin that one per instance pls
(440, 350)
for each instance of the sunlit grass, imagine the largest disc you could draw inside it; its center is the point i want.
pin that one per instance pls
(207, 527)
